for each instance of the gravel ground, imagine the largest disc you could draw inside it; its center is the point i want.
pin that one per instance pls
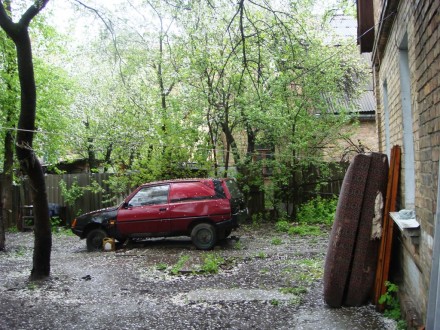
(265, 280)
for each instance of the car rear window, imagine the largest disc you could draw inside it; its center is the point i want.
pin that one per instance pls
(185, 191)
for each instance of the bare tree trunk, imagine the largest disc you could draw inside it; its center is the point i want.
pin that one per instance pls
(29, 163)
(8, 157)
(6, 189)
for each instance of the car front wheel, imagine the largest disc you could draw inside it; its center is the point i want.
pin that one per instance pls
(94, 239)
(204, 236)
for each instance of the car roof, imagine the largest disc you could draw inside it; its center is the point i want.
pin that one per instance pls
(179, 180)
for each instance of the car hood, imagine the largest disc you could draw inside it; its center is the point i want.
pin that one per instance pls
(98, 216)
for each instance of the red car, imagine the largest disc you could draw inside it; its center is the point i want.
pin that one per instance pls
(207, 210)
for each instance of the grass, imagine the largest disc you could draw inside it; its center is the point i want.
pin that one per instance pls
(12, 229)
(161, 266)
(211, 263)
(276, 241)
(179, 264)
(309, 270)
(238, 245)
(294, 290)
(305, 230)
(261, 255)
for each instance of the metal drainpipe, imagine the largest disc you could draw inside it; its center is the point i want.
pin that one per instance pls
(433, 315)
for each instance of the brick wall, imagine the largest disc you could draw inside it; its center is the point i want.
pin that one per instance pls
(420, 21)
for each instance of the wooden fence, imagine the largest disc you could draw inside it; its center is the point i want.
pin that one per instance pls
(89, 200)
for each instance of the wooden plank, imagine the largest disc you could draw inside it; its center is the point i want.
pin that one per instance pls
(383, 264)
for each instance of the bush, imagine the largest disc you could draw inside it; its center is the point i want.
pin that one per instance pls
(318, 211)
(282, 226)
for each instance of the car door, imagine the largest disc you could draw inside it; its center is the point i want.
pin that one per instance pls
(146, 213)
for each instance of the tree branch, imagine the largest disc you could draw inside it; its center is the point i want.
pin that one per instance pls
(32, 12)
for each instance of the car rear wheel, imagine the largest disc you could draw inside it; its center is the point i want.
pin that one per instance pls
(204, 236)
(94, 239)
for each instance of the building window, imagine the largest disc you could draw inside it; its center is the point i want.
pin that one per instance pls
(408, 138)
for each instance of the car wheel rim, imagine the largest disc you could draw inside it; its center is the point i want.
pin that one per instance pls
(204, 236)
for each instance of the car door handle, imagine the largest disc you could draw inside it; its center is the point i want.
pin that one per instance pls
(163, 209)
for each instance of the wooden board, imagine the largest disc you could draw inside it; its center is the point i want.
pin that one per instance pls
(344, 231)
(383, 262)
(361, 281)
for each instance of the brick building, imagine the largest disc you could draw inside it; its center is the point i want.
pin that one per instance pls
(404, 38)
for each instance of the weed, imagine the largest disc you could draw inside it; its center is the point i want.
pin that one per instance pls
(257, 220)
(20, 252)
(64, 231)
(161, 266)
(274, 302)
(179, 264)
(12, 229)
(211, 263)
(296, 301)
(31, 286)
(55, 222)
(238, 246)
(276, 241)
(305, 230)
(261, 255)
(264, 271)
(310, 270)
(392, 304)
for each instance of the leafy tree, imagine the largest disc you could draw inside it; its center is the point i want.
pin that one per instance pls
(9, 102)
(29, 163)
(231, 78)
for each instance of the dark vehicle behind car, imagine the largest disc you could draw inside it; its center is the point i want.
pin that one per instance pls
(207, 210)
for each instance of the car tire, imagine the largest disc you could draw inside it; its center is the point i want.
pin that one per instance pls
(204, 236)
(94, 239)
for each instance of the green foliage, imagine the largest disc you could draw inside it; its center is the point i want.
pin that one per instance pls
(392, 304)
(305, 230)
(276, 241)
(308, 270)
(72, 193)
(55, 223)
(211, 263)
(257, 220)
(179, 264)
(318, 211)
(238, 245)
(282, 226)
(294, 290)
(12, 229)
(261, 255)
(161, 266)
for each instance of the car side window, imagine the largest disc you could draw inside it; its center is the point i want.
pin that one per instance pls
(190, 191)
(150, 196)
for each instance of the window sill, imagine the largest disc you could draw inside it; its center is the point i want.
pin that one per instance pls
(409, 227)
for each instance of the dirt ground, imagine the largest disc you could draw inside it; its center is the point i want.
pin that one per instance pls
(265, 280)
